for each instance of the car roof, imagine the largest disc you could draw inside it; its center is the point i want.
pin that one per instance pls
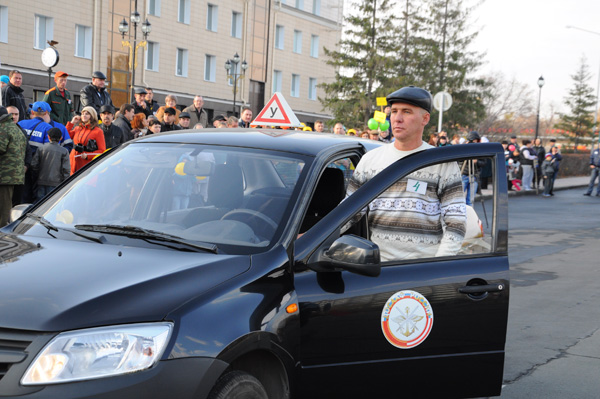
(300, 142)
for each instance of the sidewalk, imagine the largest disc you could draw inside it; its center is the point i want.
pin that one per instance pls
(560, 184)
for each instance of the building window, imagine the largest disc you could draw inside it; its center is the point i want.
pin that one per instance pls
(236, 24)
(317, 7)
(300, 4)
(210, 68)
(83, 41)
(295, 86)
(297, 42)
(154, 7)
(182, 62)
(44, 31)
(279, 34)
(152, 56)
(3, 24)
(277, 81)
(312, 88)
(212, 18)
(184, 12)
(314, 46)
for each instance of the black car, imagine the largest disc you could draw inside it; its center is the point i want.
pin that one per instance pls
(192, 265)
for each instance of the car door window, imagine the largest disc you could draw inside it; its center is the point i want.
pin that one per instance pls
(425, 214)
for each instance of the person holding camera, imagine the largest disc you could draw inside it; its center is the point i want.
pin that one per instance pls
(87, 137)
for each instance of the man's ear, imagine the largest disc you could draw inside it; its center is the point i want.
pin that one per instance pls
(426, 117)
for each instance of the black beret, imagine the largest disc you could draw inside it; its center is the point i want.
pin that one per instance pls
(170, 110)
(185, 115)
(99, 75)
(412, 95)
(107, 108)
(140, 90)
(472, 136)
(219, 118)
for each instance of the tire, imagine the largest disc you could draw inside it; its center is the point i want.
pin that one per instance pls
(238, 385)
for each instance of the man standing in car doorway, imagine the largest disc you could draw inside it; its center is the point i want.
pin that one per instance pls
(424, 213)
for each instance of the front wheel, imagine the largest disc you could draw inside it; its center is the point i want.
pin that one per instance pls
(238, 385)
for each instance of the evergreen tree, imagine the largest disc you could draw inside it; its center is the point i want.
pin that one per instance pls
(364, 62)
(581, 101)
(452, 65)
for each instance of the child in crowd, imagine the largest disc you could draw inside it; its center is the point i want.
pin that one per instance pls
(51, 164)
(514, 168)
(547, 171)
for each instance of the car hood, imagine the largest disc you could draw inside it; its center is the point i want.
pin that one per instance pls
(56, 285)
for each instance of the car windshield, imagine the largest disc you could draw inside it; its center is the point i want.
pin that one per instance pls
(238, 199)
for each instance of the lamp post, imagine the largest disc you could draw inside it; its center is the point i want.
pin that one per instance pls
(598, 89)
(231, 65)
(540, 83)
(124, 28)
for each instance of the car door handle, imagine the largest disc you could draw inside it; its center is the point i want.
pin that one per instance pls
(480, 289)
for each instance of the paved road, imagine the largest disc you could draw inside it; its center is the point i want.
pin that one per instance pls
(553, 342)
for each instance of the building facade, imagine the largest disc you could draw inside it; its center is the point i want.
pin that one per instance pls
(190, 40)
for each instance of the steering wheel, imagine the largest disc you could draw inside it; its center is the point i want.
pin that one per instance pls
(268, 222)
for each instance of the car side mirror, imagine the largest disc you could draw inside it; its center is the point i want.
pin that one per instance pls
(352, 253)
(17, 211)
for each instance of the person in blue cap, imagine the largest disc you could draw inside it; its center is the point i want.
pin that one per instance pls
(4, 81)
(37, 133)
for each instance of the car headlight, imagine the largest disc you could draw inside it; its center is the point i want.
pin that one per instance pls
(98, 352)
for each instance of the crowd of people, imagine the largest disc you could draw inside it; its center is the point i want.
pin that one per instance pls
(59, 141)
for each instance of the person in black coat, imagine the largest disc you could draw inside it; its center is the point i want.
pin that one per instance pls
(140, 105)
(113, 135)
(95, 95)
(12, 94)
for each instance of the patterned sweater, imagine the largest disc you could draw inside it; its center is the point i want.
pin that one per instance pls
(421, 215)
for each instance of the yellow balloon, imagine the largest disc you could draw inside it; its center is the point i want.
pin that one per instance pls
(65, 217)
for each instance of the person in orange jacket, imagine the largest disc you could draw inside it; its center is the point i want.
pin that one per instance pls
(87, 137)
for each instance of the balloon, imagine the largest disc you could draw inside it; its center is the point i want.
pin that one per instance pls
(373, 124)
(385, 125)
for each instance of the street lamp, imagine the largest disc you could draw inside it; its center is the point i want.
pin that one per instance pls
(598, 89)
(540, 83)
(124, 29)
(231, 65)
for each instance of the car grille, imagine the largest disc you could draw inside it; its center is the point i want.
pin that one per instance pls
(13, 344)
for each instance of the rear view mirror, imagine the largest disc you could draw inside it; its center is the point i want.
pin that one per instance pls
(200, 168)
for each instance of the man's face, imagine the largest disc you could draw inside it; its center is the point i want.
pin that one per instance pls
(99, 83)
(107, 118)
(247, 115)
(319, 127)
(149, 95)
(155, 128)
(129, 115)
(338, 128)
(14, 111)
(169, 119)
(61, 82)
(387, 110)
(139, 98)
(408, 121)
(16, 80)
(198, 102)
(184, 122)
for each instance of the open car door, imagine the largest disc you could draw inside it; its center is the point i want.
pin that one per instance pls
(418, 327)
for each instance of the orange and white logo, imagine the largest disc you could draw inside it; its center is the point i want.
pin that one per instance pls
(407, 319)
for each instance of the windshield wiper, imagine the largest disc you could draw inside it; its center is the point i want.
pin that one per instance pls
(146, 234)
(48, 225)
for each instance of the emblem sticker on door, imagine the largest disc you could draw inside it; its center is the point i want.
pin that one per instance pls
(407, 319)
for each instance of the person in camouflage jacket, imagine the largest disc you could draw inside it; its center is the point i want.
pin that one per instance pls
(12, 166)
